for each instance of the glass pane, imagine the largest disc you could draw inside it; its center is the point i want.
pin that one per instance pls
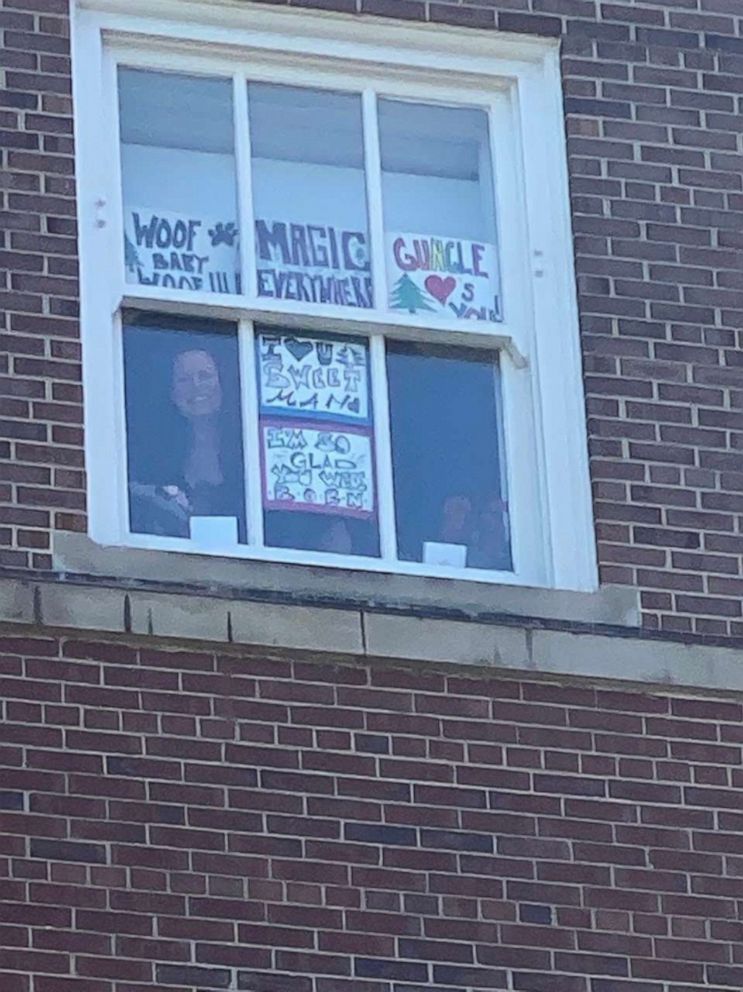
(311, 226)
(178, 173)
(317, 443)
(439, 214)
(450, 496)
(184, 433)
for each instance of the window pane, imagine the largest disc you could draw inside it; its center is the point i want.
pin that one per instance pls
(439, 214)
(317, 443)
(184, 434)
(310, 195)
(178, 171)
(450, 497)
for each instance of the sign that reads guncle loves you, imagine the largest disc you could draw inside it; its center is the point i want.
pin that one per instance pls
(446, 276)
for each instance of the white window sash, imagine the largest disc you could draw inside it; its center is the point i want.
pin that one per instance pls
(517, 82)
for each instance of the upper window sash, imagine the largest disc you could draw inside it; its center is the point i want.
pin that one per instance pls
(512, 333)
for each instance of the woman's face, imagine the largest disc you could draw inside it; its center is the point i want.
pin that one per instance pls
(196, 389)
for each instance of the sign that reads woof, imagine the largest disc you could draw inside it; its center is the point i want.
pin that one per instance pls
(178, 251)
(447, 276)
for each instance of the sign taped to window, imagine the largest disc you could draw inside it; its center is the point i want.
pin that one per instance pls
(316, 433)
(319, 377)
(314, 263)
(317, 468)
(446, 276)
(180, 251)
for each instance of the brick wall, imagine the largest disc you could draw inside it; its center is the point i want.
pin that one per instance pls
(42, 483)
(182, 821)
(653, 93)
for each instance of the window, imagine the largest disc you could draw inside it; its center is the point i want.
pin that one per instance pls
(339, 271)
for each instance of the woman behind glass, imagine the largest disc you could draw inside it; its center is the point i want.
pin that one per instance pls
(184, 438)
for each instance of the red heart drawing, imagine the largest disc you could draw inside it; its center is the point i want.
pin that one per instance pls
(440, 289)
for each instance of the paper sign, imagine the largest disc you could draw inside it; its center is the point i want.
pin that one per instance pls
(305, 376)
(316, 469)
(438, 553)
(445, 276)
(163, 248)
(313, 263)
(214, 532)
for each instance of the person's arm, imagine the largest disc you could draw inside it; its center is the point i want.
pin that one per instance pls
(161, 510)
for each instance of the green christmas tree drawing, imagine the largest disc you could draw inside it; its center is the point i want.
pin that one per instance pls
(131, 258)
(408, 296)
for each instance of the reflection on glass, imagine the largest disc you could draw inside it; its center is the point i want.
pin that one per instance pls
(184, 435)
(317, 443)
(439, 212)
(178, 172)
(450, 497)
(311, 226)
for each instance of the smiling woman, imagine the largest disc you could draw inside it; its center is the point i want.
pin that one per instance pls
(184, 436)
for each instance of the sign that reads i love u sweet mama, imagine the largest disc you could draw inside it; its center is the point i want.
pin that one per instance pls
(447, 276)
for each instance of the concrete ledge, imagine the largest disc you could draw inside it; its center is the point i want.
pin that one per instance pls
(447, 641)
(372, 633)
(185, 616)
(653, 661)
(76, 554)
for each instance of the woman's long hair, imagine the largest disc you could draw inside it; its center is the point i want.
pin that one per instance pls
(158, 435)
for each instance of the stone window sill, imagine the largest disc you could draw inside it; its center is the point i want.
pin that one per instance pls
(347, 616)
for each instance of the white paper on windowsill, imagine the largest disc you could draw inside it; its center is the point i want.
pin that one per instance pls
(439, 553)
(212, 533)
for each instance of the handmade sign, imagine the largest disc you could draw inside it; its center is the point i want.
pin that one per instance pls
(317, 377)
(312, 263)
(446, 276)
(163, 248)
(315, 468)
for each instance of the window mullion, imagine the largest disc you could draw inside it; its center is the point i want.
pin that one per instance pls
(373, 170)
(244, 179)
(383, 449)
(251, 433)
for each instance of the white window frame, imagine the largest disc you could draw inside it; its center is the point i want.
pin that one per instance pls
(517, 80)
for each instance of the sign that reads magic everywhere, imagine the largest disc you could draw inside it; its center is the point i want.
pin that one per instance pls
(446, 276)
(178, 251)
(313, 263)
